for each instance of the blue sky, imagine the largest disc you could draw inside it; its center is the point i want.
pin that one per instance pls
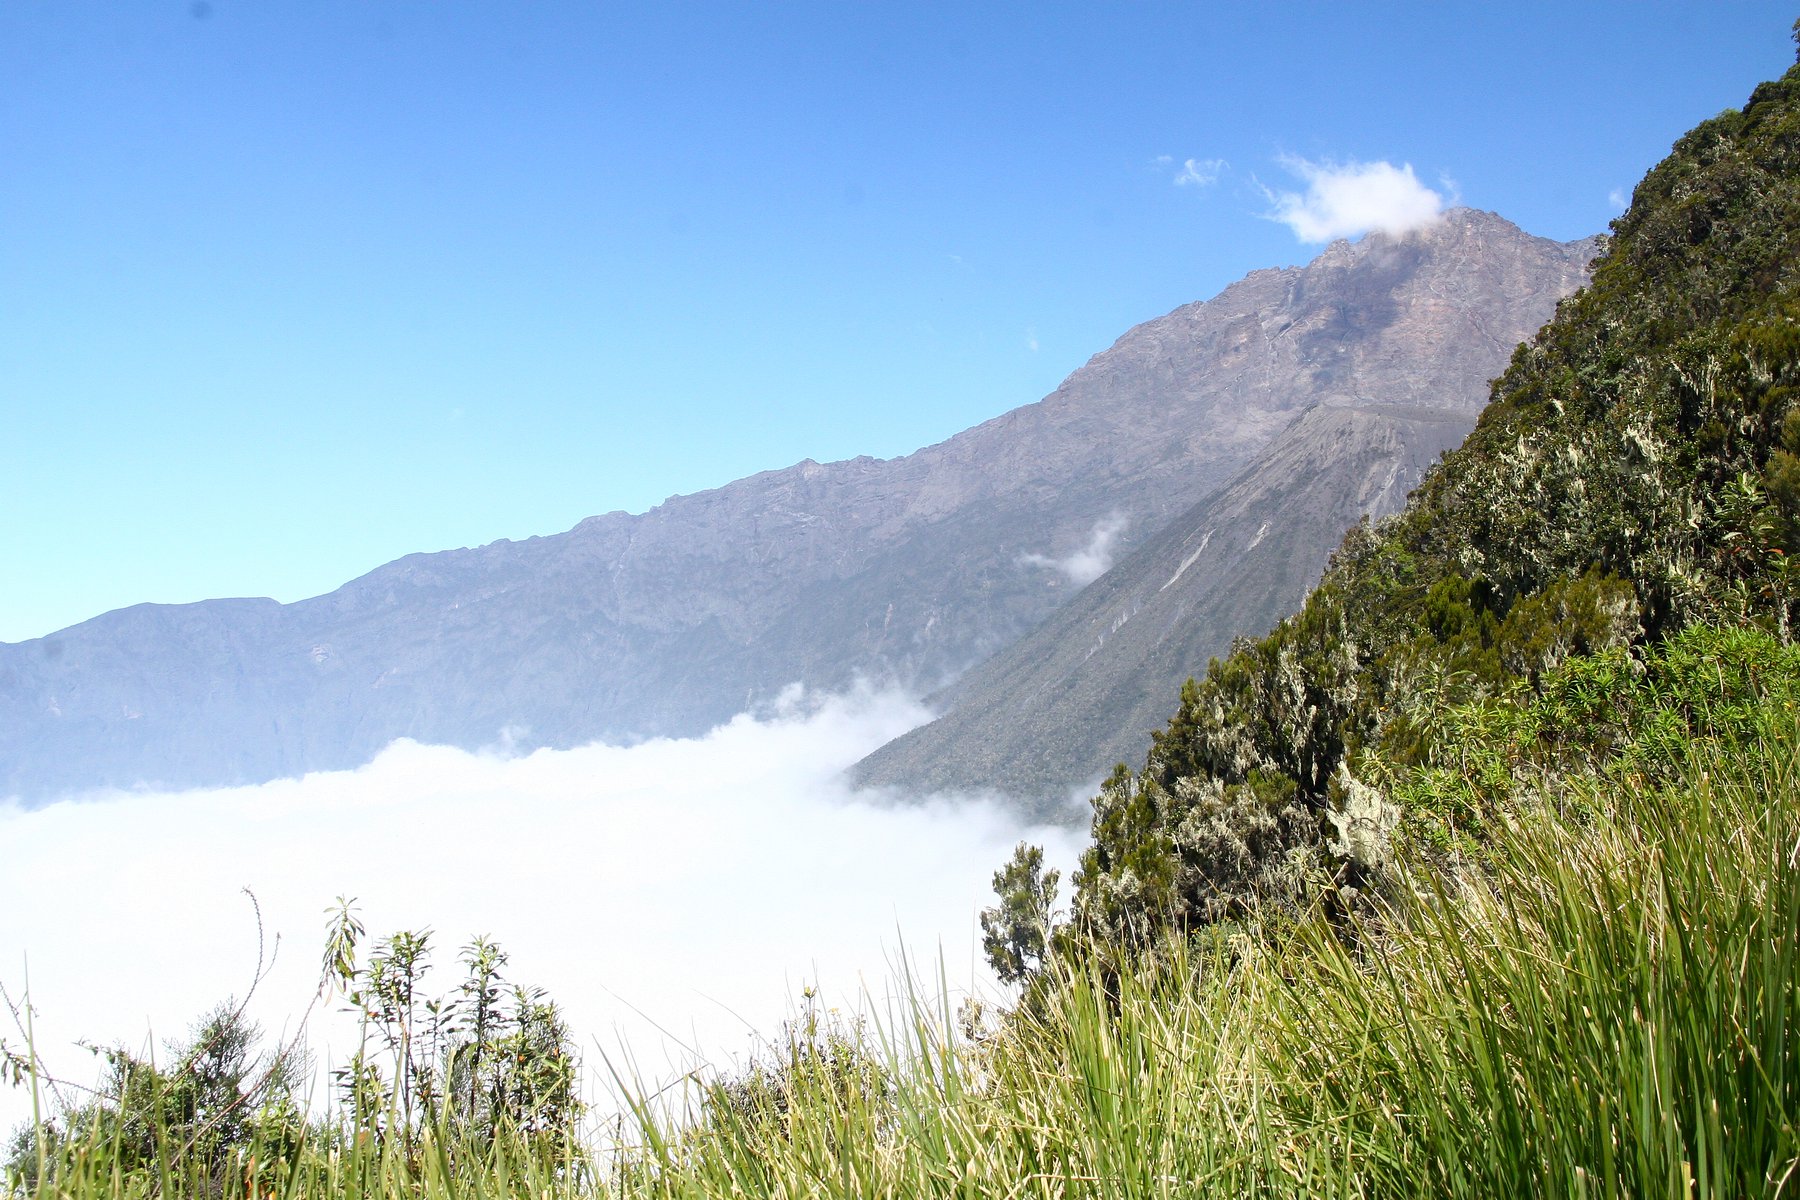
(289, 288)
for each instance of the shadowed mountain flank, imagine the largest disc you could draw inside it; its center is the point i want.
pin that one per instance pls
(1085, 688)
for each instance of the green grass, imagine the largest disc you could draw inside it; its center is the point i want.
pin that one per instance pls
(1610, 1010)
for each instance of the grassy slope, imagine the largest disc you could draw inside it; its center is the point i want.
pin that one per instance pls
(1607, 1009)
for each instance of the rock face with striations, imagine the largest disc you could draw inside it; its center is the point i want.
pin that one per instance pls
(910, 570)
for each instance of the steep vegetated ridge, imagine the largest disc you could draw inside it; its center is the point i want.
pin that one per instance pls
(1637, 472)
(665, 623)
(1087, 687)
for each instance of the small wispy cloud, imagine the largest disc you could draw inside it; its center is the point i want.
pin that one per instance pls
(1200, 172)
(1190, 172)
(1091, 561)
(1031, 340)
(1619, 200)
(1352, 198)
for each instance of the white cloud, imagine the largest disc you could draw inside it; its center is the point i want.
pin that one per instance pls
(699, 883)
(1619, 198)
(1192, 172)
(1091, 561)
(1200, 172)
(1348, 199)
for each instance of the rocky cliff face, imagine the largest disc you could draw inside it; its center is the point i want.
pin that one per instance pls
(910, 569)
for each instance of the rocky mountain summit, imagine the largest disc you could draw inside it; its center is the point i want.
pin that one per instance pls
(909, 570)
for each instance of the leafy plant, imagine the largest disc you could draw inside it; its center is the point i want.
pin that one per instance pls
(488, 1056)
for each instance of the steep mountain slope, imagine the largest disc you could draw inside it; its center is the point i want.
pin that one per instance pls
(664, 623)
(1084, 689)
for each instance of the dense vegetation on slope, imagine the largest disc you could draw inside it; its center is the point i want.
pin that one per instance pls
(1637, 471)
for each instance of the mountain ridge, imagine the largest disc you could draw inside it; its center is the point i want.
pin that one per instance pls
(907, 570)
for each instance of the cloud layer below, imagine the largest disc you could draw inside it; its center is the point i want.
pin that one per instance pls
(694, 885)
(1345, 200)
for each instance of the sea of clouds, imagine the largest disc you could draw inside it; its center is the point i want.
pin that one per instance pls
(674, 896)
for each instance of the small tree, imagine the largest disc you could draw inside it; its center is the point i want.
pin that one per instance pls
(187, 1119)
(389, 997)
(486, 1057)
(480, 1028)
(1016, 934)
